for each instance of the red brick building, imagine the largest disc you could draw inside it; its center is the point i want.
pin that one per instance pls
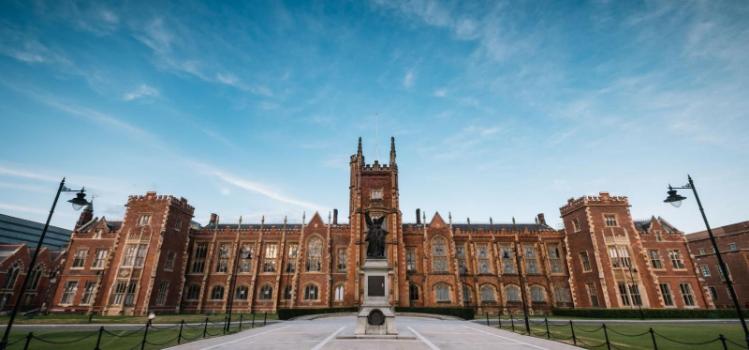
(733, 242)
(156, 260)
(14, 263)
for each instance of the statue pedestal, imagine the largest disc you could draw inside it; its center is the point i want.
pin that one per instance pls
(376, 317)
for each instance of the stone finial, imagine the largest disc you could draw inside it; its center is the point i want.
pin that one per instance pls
(359, 148)
(392, 151)
(491, 221)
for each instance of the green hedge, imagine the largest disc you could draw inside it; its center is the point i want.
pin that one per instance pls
(462, 312)
(285, 314)
(649, 313)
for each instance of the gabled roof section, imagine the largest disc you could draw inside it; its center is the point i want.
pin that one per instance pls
(437, 220)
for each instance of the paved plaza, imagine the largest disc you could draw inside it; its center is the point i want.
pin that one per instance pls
(419, 333)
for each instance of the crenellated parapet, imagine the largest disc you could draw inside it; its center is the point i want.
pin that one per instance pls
(603, 199)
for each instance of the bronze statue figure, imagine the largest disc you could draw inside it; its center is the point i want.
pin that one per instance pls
(375, 237)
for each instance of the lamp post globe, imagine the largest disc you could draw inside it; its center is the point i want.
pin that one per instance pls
(79, 201)
(674, 198)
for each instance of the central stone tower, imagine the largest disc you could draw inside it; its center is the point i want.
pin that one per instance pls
(375, 217)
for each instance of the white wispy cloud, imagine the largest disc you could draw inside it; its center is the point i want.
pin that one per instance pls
(141, 91)
(26, 174)
(264, 190)
(408, 79)
(440, 92)
(21, 208)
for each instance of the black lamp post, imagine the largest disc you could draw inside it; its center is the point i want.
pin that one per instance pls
(675, 199)
(518, 256)
(78, 202)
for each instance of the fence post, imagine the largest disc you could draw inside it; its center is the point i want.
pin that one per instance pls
(606, 335)
(652, 337)
(723, 341)
(240, 321)
(572, 328)
(499, 319)
(179, 335)
(548, 335)
(512, 322)
(205, 328)
(90, 317)
(487, 318)
(30, 336)
(265, 318)
(226, 323)
(253, 320)
(98, 338)
(145, 334)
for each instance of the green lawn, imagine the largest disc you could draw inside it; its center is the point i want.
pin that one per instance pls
(166, 318)
(159, 337)
(636, 336)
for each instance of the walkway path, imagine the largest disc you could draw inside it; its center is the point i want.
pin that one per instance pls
(424, 333)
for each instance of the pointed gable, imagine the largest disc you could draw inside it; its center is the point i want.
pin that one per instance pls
(316, 220)
(437, 221)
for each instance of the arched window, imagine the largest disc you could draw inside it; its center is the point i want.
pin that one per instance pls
(467, 294)
(339, 292)
(512, 293)
(242, 293)
(193, 292)
(266, 292)
(314, 254)
(310, 292)
(487, 294)
(439, 254)
(12, 276)
(538, 294)
(442, 293)
(287, 292)
(413, 292)
(35, 277)
(217, 293)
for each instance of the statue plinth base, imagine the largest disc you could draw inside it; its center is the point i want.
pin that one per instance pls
(376, 316)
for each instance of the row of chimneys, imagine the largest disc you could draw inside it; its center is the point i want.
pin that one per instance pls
(539, 218)
(214, 218)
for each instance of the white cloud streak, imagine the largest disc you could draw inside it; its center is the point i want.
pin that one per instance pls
(142, 91)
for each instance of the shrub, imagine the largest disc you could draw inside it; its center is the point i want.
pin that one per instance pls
(648, 313)
(462, 312)
(285, 314)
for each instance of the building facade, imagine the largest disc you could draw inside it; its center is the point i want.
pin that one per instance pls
(14, 263)
(733, 242)
(156, 260)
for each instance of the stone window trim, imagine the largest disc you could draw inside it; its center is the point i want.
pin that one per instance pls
(144, 219)
(610, 220)
(576, 227)
(488, 293)
(79, 259)
(512, 293)
(266, 292)
(339, 293)
(214, 290)
(242, 296)
(311, 292)
(442, 292)
(539, 294)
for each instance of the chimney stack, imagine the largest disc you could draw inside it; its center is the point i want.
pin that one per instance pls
(335, 216)
(418, 216)
(214, 219)
(540, 219)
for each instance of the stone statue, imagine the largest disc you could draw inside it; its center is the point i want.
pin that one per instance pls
(375, 237)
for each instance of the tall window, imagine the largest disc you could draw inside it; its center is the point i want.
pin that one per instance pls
(80, 258)
(130, 292)
(460, 254)
(291, 256)
(162, 292)
(144, 220)
(705, 270)
(314, 254)
(676, 260)
(88, 293)
(655, 259)
(266, 292)
(135, 255)
(713, 293)
(668, 300)
(341, 265)
(576, 225)
(217, 293)
(686, 294)
(487, 294)
(124, 292)
(169, 262)
(198, 257)
(623, 293)
(585, 261)
(610, 220)
(538, 294)
(483, 258)
(376, 194)
(245, 257)
(592, 294)
(439, 254)
(562, 294)
(339, 292)
(413, 292)
(67, 295)
(269, 259)
(35, 277)
(193, 292)
(442, 291)
(531, 263)
(222, 257)
(411, 259)
(12, 275)
(508, 259)
(512, 293)
(241, 293)
(311, 292)
(619, 256)
(555, 259)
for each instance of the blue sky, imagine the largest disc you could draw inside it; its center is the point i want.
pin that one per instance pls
(499, 109)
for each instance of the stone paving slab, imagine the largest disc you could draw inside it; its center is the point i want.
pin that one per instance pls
(429, 334)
